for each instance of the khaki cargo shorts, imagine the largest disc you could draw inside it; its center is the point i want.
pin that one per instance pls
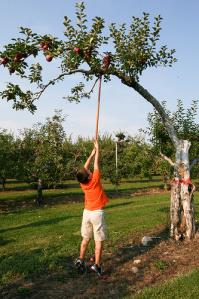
(93, 223)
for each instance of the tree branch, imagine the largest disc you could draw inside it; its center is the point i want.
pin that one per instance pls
(53, 81)
(167, 159)
(93, 86)
(131, 82)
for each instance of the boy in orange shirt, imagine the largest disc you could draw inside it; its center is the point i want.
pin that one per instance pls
(93, 216)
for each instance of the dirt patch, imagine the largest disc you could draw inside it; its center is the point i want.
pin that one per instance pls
(131, 267)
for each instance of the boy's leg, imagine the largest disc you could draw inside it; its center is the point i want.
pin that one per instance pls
(96, 267)
(83, 247)
(98, 252)
(79, 262)
(99, 229)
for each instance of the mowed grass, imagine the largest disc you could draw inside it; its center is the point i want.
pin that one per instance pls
(37, 240)
(179, 288)
(20, 191)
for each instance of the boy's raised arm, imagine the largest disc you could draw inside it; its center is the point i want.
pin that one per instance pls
(88, 161)
(96, 161)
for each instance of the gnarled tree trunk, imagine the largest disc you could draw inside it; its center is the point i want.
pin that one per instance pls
(182, 203)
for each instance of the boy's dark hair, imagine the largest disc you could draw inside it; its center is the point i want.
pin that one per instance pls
(82, 176)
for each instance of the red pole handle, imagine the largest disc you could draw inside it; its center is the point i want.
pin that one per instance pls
(98, 108)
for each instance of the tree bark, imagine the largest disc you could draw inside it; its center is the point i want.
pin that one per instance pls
(182, 200)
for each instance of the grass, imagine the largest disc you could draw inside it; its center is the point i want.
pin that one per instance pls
(182, 287)
(41, 238)
(37, 240)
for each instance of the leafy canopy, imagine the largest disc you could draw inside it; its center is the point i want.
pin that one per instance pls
(84, 50)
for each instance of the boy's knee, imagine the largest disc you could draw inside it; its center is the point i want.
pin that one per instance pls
(98, 245)
(85, 241)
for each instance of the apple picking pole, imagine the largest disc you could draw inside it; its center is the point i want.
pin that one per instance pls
(98, 108)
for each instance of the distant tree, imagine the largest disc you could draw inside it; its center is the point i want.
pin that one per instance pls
(184, 121)
(7, 156)
(25, 155)
(40, 152)
(48, 164)
(142, 156)
(107, 159)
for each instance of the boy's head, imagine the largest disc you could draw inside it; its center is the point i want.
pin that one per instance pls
(83, 176)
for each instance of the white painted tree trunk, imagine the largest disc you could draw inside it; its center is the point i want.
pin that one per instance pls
(182, 189)
(182, 205)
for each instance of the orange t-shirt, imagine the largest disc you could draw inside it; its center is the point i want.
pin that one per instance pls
(95, 197)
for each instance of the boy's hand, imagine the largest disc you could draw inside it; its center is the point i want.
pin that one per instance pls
(93, 152)
(96, 161)
(96, 144)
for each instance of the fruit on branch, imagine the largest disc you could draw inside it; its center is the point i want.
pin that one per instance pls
(18, 57)
(49, 57)
(87, 54)
(45, 45)
(106, 60)
(42, 45)
(4, 60)
(77, 51)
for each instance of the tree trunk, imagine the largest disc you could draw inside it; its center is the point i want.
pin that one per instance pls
(182, 189)
(182, 201)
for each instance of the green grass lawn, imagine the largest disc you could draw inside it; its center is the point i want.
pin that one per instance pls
(186, 286)
(37, 240)
(18, 190)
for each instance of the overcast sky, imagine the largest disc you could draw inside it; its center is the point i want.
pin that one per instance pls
(121, 107)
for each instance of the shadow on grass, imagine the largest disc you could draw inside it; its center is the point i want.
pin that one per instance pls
(39, 223)
(57, 276)
(15, 205)
(118, 205)
(5, 242)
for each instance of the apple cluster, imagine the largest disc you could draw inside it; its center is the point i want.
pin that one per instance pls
(87, 54)
(46, 47)
(16, 59)
(13, 61)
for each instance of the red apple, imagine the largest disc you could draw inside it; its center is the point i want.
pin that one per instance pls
(49, 58)
(4, 60)
(77, 50)
(106, 60)
(18, 57)
(45, 47)
(42, 44)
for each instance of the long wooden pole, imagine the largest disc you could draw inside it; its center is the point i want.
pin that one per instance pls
(98, 108)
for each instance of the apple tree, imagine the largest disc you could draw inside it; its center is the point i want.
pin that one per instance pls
(136, 49)
(40, 152)
(7, 156)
